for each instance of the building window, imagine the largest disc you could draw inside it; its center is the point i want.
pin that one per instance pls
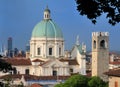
(27, 71)
(116, 84)
(38, 51)
(59, 51)
(102, 44)
(14, 71)
(50, 51)
(94, 44)
(71, 70)
(54, 73)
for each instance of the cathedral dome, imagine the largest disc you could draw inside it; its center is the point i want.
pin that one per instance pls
(47, 28)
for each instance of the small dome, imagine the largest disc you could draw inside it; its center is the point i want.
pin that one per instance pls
(47, 9)
(47, 28)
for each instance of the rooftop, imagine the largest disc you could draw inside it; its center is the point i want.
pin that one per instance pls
(18, 61)
(34, 77)
(113, 72)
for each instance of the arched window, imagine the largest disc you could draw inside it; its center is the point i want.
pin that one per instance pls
(102, 44)
(38, 51)
(60, 51)
(50, 51)
(94, 44)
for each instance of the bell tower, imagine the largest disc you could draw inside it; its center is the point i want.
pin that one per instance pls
(100, 54)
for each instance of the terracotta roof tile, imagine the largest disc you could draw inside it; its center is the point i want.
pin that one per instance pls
(37, 60)
(114, 72)
(70, 61)
(53, 77)
(89, 74)
(19, 76)
(18, 61)
(73, 62)
(33, 77)
(45, 62)
(36, 85)
(115, 63)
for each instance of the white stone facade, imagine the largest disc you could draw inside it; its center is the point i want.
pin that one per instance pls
(57, 45)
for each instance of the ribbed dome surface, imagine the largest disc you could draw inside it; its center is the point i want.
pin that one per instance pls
(47, 28)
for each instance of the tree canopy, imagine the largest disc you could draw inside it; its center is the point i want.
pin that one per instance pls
(97, 82)
(4, 66)
(95, 8)
(83, 81)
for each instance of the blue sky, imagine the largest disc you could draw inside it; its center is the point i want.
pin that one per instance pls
(18, 18)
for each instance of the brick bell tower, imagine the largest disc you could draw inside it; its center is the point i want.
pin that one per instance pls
(100, 54)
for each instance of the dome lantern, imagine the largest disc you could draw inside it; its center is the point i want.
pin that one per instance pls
(47, 13)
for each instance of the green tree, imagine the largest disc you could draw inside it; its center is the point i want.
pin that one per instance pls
(95, 8)
(4, 66)
(75, 81)
(83, 81)
(97, 82)
(59, 85)
(8, 82)
(21, 84)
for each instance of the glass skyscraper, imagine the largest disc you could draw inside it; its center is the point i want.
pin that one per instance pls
(10, 54)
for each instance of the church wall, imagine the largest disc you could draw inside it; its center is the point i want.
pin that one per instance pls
(76, 68)
(21, 69)
(44, 46)
(33, 70)
(82, 63)
(36, 70)
(113, 66)
(74, 53)
(114, 81)
(61, 71)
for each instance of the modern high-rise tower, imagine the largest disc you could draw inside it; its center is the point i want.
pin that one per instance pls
(100, 54)
(10, 54)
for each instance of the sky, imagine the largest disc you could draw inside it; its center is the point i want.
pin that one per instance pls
(18, 18)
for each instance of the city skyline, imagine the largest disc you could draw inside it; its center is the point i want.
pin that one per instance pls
(18, 19)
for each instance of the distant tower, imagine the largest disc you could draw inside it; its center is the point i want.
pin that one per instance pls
(2, 51)
(77, 40)
(15, 51)
(100, 54)
(27, 50)
(10, 54)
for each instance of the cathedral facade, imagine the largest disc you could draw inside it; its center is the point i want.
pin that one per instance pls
(47, 55)
(47, 45)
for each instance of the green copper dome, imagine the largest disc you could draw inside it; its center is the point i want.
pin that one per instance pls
(47, 28)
